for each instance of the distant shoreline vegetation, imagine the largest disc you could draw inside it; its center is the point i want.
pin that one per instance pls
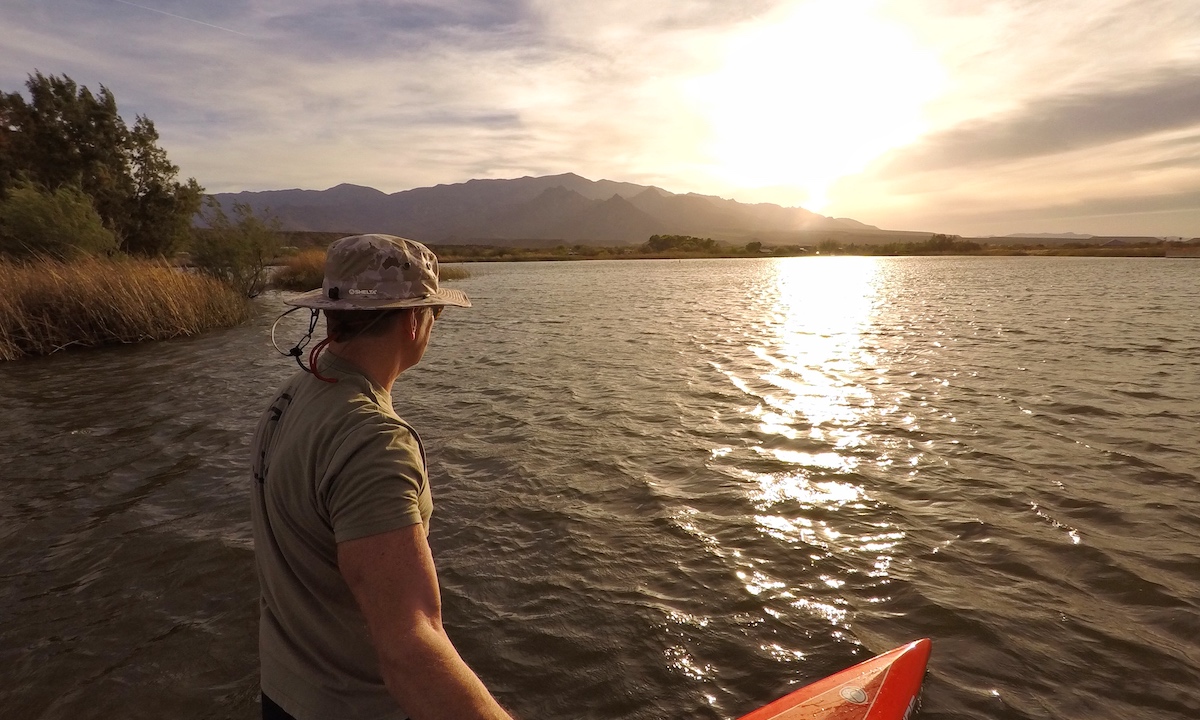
(683, 247)
(678, 247)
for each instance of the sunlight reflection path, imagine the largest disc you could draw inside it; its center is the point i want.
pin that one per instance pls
(809, 374)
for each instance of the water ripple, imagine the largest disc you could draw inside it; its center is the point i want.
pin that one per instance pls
(679, 505)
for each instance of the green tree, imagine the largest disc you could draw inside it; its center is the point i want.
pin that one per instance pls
(160, 210)
(945, 244)
(689, 243)
(8, 163)
(238, 250)
(67, 135)
(62, 223)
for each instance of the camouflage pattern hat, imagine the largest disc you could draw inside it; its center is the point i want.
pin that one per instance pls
(376, 272)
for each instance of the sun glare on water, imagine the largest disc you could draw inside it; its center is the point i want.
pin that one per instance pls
(813, 94)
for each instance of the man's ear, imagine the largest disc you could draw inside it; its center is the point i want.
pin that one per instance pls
(413, 320)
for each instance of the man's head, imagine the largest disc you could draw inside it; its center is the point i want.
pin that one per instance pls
(380, 272)
(382, 290)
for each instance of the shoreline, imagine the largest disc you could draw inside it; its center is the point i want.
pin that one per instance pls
(498, 254)
(935, 245)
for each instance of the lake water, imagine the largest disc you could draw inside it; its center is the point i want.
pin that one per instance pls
(668, 489)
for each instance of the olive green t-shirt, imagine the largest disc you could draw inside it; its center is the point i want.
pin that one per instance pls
(331, 462)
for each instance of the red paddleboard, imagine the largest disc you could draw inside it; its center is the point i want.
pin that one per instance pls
(882, 688)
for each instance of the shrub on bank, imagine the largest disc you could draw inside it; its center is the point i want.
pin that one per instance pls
(62, 223)
(236, 250)
(48, 305)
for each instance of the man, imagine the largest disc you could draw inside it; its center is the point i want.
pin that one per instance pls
(350, 612)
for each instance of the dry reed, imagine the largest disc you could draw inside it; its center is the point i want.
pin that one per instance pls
(452, 272)
(47, 305)
(302, 271)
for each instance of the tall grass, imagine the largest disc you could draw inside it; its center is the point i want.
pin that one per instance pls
(48, 305)
(302, 271)
(305, 271)
(452, 272)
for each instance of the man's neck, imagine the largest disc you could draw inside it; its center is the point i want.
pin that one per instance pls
(374, 356)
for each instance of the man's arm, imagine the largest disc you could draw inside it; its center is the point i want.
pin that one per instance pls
(394, 581)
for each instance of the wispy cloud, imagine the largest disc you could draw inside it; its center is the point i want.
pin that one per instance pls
(1166, 99)
(180, 17)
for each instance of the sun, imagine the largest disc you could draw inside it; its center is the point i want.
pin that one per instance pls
(812, 94)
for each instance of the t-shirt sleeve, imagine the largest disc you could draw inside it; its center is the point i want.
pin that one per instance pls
(377, 486)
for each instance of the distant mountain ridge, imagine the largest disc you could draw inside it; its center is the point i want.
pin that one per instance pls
(567, 208)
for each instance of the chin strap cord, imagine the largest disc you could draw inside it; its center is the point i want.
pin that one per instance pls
(312, 361)
(297, 350)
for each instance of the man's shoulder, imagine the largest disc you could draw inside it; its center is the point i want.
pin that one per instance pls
(369, 424)
(346, 415)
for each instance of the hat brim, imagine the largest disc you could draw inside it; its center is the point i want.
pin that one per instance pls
(316, 299)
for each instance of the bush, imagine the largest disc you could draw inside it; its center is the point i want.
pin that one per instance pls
(684, 243)
(61, 224)
(48, 305)
(236, 251)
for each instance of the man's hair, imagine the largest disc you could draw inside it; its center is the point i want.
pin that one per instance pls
(345, 325)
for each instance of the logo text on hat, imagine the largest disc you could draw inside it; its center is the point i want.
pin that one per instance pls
(363, 292)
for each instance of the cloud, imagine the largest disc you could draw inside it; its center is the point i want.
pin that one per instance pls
(1005, 52)
(1153, 215)
(1046, 105)
(1119, 205)
(387, 29)
(1145, 182)
(1164, 100)
(1052, 112)
(394, 94)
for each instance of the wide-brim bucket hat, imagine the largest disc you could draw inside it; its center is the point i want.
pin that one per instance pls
(378, 272)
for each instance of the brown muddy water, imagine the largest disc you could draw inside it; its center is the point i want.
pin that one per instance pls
(668, 489)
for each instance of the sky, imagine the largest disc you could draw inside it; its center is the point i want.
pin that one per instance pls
(972, 117)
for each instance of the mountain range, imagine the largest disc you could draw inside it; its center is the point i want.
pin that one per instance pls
(536, 210)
